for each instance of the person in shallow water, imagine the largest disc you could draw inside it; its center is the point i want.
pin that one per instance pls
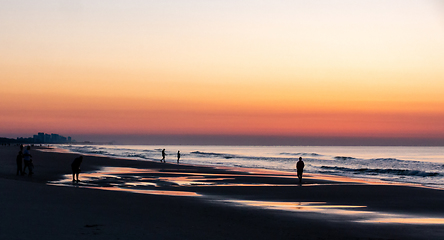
(300, 168)
(75, 166)
(178, 156)
(163, 155)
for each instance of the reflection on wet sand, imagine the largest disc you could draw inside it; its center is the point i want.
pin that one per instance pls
(174, 182)
(348, 211)
(405, 220)
(126, 176)
(53, 150)
(325, 177)
(153, 192)
(146, 181)
(320, 207)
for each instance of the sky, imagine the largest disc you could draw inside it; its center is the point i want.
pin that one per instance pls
(315, 69)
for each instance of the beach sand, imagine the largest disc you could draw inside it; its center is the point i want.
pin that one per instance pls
(171, 201)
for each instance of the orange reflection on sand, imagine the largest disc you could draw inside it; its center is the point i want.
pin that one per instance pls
(286, 174)
(344, 179)
(140, 184)
(321, 207)
(349, 211)
(345, 210)
(184, 181)
(203, 174)
(144, 181)
(257, 171)
(125, 170)
(153, 192)
(406, 220)
(53, 150)
(336, 178)
(255, 185)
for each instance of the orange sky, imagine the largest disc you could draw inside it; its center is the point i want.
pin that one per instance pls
(368, 69)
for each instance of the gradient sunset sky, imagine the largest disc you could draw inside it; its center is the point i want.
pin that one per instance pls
(371, 68)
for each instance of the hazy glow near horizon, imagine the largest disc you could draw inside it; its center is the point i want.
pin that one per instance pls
(315, 68)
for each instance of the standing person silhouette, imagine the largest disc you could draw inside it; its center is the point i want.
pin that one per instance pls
(75, 167)
(300, 168)
(19, 161)
(178, 156)
(163, 155)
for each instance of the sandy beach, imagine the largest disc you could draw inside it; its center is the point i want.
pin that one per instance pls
(127, 199)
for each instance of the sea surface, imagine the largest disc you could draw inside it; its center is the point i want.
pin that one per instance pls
(413, 165)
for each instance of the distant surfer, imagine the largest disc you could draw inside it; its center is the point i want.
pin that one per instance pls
(300, 168)
(163, 155)
(178, 156)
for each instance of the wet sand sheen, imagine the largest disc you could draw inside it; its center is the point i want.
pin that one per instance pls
(170, 201)
(115, 180)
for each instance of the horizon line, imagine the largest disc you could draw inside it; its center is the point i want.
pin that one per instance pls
(253, 140)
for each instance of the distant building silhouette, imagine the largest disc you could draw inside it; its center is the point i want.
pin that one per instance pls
(46, 138)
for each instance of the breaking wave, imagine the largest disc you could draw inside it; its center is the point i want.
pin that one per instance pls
(399, 172)
(210, 154)
(344, 158)
(301, 154)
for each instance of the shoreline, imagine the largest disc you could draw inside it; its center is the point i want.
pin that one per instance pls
(419, 165)
(231, 204)
(318, 176)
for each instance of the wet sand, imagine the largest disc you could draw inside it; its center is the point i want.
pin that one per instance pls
(126, 199)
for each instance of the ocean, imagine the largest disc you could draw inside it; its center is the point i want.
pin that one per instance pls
(413, 165)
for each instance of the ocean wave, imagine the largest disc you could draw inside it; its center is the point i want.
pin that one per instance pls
(301, 154)
(344, 158)
(400, 172)
(239, 157)
(150, 151)
(205, 154)
(90, 150)
(389, 160)
(133, 155)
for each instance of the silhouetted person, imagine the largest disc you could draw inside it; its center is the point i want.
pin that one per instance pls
(27, 160)
(163, 155)
(75, 167)
(19, 160)
(178, 156)
(300, 168)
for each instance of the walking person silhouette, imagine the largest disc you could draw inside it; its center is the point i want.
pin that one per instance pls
(300, 168)
(178, 156)
(163, 155)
